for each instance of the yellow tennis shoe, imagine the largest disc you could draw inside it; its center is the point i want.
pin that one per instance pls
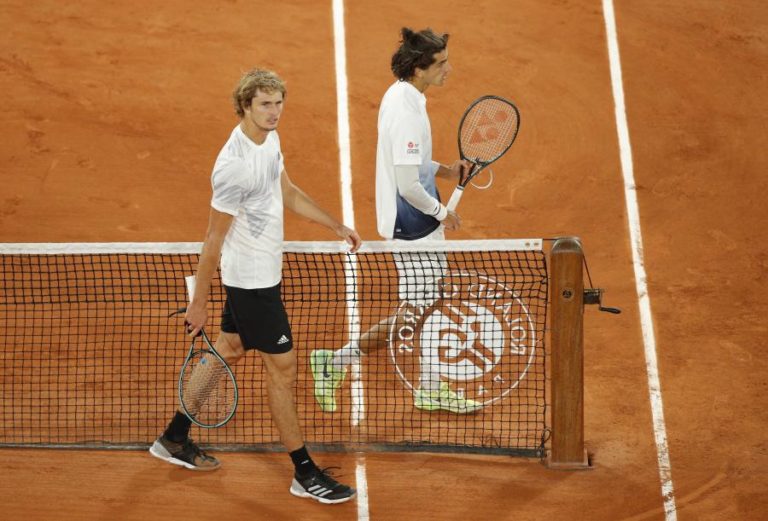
(327, 378)
(445, 400)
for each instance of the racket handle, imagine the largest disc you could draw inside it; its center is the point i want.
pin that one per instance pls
(190, 282)
(453, 202)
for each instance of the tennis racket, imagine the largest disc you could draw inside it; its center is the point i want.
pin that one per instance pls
(207, 386)
(486, 131)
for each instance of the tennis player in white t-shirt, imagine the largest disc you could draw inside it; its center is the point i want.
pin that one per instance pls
(245, 233)
(408, 208)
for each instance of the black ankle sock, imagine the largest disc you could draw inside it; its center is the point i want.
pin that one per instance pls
(178, 429)
(303, 462)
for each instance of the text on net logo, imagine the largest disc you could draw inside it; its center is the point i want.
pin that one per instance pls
(478, 335)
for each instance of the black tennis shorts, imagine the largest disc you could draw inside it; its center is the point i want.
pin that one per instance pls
(259, 317)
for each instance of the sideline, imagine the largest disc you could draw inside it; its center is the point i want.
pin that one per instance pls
(348, 213)
(636, 240)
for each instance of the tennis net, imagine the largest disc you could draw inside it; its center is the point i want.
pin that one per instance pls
(91, 356)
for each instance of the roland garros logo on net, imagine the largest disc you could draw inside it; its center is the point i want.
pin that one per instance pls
(478, 333)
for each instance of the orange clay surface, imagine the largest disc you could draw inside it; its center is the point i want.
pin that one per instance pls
(112, 116)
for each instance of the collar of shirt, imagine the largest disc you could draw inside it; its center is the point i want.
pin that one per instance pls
(412, 92)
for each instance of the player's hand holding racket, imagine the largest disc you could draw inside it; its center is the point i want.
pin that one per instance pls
(207, 386)
(487, 130)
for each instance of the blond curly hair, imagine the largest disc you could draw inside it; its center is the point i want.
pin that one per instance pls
(252, 81)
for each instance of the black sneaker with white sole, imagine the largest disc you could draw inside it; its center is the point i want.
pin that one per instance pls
(321, 487)
(186, 454)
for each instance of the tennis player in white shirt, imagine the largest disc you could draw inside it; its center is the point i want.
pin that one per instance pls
(245, 234)
(408, 208)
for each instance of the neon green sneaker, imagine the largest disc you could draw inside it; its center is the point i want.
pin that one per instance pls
(445, 399)
(327, 378)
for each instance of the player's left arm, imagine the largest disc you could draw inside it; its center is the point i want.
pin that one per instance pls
(454, 171)
(299, 202)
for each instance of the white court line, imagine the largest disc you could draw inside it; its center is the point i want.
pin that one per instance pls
(362, 489)
(356, 386)
(345, 162)
(636, 239)
(342, 112)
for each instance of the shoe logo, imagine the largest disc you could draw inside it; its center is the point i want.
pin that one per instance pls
(317, 490)
(283, 339)
(478, 335)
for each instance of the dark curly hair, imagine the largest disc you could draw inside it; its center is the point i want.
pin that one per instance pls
(417, 49)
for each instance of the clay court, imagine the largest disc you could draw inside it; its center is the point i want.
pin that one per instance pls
(114, 113)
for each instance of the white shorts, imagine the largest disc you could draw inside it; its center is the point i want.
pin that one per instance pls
(419, 273)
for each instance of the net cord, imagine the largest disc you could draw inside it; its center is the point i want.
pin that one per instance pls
(55, 248)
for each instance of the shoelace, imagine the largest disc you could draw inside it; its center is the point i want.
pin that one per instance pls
(189, 446)
(326, 478)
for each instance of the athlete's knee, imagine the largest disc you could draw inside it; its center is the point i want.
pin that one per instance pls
(280, 380)
(281, 369)
(230, 347)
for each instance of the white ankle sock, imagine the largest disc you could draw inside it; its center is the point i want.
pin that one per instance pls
(345, 356)
(429, 380)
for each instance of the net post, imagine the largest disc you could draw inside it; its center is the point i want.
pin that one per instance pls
(567, 361)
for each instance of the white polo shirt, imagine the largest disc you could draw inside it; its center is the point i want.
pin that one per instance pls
(404, 138)
(246, 185)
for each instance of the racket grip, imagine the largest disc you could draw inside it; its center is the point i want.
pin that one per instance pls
(190, 282)
(453, 202)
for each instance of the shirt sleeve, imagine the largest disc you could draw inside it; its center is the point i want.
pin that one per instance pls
(407, 135)
(230, 186)
(280, 158)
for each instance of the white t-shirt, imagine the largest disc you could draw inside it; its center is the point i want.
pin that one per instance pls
(404, 138)
(246, 184)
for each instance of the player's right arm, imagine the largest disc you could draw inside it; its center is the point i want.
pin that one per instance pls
(407, 134)
(230, 182)
(197, 310)
(409, 187)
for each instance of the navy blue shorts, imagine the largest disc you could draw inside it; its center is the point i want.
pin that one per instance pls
(259, 317)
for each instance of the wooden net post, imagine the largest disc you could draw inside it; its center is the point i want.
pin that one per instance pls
(567, 360)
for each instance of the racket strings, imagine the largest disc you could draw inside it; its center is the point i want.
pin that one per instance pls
(207, 391)
(488, 130)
